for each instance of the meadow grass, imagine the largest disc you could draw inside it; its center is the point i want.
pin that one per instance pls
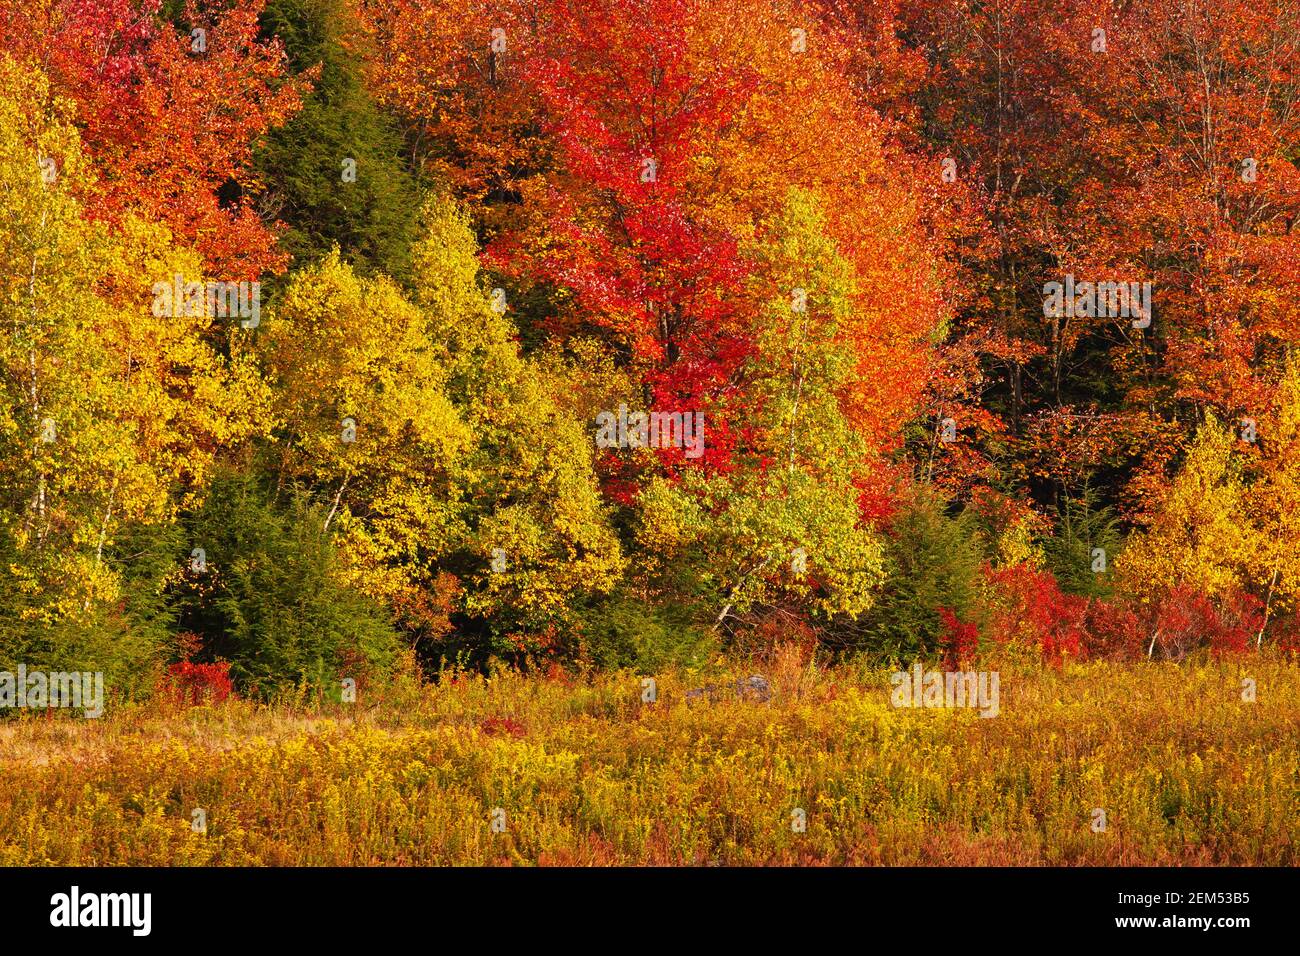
(1186, 771)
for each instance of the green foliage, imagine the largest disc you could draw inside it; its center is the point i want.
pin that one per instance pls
(1083, 528)
(126, 640)
(268, 600)
(932, 561)
(624, 630)
(373, 219)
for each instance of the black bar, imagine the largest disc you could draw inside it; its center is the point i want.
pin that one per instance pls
(668, 908)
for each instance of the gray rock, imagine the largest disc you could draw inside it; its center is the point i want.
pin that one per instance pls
(756, 688)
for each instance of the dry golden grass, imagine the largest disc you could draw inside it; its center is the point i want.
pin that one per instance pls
(1186, 771)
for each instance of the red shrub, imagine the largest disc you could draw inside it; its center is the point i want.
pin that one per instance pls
(199, 683)
(1184, 619)
(1241, 616)
(1114, 631)
(1032, 609)
(1286, 634)
(959, 641)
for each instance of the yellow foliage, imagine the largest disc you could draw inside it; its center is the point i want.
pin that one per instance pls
(431, 438)
(1275, 499)
(589, 774)
(112, 414)
(1200, 534)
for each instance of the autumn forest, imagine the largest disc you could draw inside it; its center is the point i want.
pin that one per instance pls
(346, 341)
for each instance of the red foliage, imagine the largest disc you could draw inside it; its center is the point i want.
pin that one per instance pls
(1184, 620)
(1287, 635)
(879, 494)
(168, 127)
(538, 646)
(557, 672)
(959, 640)
(627, 114)
(1114, 631)
(671, 142)
(199, 683)
(1033, 609)
(1241, 617)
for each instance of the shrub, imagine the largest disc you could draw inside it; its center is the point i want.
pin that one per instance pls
(1286, 634)
(268, 601)
(932, 561)
(199, 683)
(626, 631)
(1114, 631)
(1184, 619)
(774, 635)
(1029, 609)
(959, 640)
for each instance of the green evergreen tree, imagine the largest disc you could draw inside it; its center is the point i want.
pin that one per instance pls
(932, 561)
(267, 598)
(335, 173)
(1082, 552)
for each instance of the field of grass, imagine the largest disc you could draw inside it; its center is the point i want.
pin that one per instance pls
(586, 773)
